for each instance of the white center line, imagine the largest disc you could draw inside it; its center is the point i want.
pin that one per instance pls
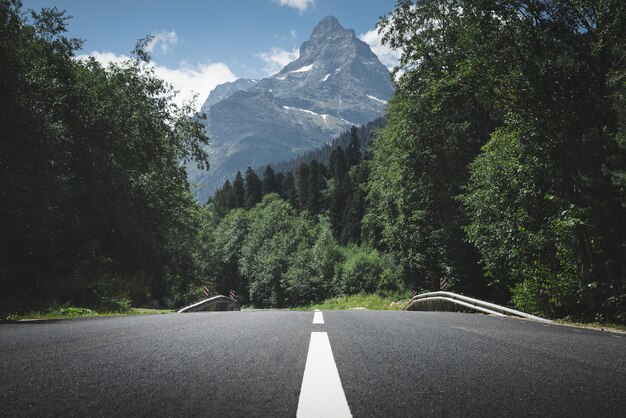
(318, 318)
(321, 394)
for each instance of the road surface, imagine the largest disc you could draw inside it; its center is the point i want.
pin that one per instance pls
(363, 363)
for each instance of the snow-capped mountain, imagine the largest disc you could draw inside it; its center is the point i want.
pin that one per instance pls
(336, 82)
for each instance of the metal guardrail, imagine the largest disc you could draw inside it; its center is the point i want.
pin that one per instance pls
(216, 303)
(437, 300)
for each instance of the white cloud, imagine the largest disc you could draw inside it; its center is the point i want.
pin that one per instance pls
(187, 79)
(299, 5)
(105, 58)
(195, 79)
(287, 37)
(162, 40)
(386, 55)
(276, 58)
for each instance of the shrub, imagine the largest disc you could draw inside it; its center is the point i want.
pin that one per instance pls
(114, 304)
(74, 311)
(366, 270)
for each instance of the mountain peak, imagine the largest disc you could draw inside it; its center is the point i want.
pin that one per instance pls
(336, 82)
(327, 32)
(329, 26)
(326, 25)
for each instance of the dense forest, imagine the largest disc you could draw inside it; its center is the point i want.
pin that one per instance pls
(500, 166)
(293, 239)
(95, 206)
(322, 154)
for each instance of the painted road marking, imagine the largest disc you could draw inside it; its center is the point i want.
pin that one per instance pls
(321, 394)
(318, 318)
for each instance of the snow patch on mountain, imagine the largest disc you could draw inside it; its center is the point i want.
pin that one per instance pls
(304, 69)
(377, 99)
(302, 110)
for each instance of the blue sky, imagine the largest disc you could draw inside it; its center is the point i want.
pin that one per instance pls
(199, 44)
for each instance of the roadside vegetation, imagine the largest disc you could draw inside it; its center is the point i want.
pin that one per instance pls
(366, 301)
(72, 312)
(501, 167)
(602, 326)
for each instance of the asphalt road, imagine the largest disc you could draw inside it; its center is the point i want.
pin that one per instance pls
(253, 363)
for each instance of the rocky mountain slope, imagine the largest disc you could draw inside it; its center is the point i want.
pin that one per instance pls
(336, 82)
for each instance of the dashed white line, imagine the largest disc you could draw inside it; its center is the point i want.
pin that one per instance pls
(321, 394)
(318, 318)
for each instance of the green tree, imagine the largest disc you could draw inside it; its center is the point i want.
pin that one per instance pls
(290, 193)
(280, 181)
(230, 236)
(302, 186)
(338, 163)
(353, 152)
(270, 183)
(253, 189)
(316, 183)
(561, 122)
(309, 278)
(339, 189)
(276, 234)
(239, 190)
(223, 199)
(538, 82)
(365, 270)
(355, 205)
(524, 244)
(436, 124)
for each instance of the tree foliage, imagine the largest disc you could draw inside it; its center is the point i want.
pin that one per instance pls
(94, 197)
(506, 132)
(276, 257)
(501, 167)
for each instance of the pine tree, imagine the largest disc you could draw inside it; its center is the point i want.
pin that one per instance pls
(353, 152)
(238, 190)
(280, 181)
(253, 189)
(340, 189)
(270, 185)
(315, 185)
(290, 193)
(338, 164)
(302, 185)
(223, 199)
(355, 204)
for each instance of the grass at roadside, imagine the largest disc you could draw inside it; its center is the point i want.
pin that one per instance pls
(76, 312)
(373, 302)
(593, 325)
